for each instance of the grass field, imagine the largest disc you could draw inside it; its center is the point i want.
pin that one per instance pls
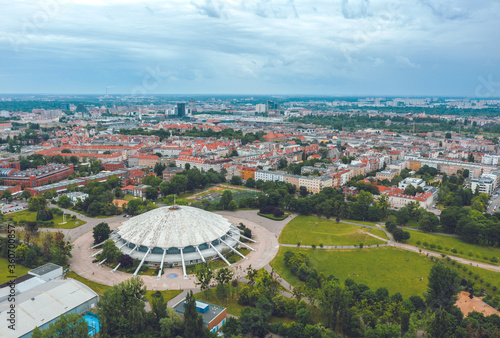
(5, 273)
(167, 294)
(309, 230)
(447, 243)
(377, 232)
(97, 287)
(30, 216)
(397, 270)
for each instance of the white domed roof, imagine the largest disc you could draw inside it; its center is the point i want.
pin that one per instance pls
(168, 227)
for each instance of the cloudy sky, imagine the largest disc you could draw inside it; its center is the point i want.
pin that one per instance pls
(334, 47)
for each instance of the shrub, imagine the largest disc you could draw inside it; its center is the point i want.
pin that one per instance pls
(446, 249)
(433, 246)
(439, 247)
(470, 254)
(454, 250)
(494, 259)
(418, 242)
(361, 245)
(321, 245)
(426, 244)
(313, 246)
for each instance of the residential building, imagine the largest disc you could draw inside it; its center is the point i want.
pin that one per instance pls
(42, 175)
(416, 182)
(269, 175)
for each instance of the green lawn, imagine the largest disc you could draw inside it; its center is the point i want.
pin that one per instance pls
(30, 216)
(97, 287)
(447, 243)
(362, 222)
(309, 230)
(381, 267)
(19, 271)
(271, 216)
(377, 232)
(167, 294)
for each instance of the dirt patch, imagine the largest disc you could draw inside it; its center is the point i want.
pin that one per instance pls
(467, 305)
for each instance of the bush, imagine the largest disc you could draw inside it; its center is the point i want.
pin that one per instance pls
(454, 250)
(439, 247)
(426, 244)
(44, 215)
(433, 246)
(494, 259)
(418, 242)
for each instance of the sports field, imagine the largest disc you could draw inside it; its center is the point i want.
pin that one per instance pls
(311, 230)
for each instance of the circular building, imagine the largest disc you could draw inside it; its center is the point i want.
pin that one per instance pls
(175, 236)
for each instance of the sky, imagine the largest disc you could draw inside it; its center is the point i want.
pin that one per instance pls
(309, 47)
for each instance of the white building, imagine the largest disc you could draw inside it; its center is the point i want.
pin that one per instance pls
(416, 182)
(76, 196)
(485, 185)
(269, 175)
(41, 303)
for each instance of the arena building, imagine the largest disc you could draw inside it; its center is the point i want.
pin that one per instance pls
(177, 235)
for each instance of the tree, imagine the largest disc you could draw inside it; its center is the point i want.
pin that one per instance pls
(121, 308)
(151, 193)
(224, 276)
(447, 135)
(37, 203)
(7, 195)
(232, 205)
(63, 201)
(158, 306)
(193, 323)
(282, 163)
(204, 275)
(303, 191)
(172, 325)
(236, 180)
(227, 197)
(250, 183)
(444, 282)
(25, 195)
(134, 206)
(334, 301)
(110, 252)
(101, 232)
(68, 325)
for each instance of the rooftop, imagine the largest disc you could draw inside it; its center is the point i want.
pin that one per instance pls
(208, 316)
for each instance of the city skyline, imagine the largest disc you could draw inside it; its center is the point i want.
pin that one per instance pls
(340, 48)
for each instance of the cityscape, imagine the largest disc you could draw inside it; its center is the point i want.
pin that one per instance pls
(220, 168)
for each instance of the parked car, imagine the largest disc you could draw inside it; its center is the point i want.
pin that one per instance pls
(95, 261)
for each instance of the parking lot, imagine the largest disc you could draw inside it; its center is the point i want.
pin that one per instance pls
(493, 204)
(8, 208)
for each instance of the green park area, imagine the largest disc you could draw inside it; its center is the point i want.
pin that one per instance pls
(398, 270)
(310, 230)
(5, 273)
(30, 216)
(454, 247)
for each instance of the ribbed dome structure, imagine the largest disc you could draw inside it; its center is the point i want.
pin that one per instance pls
(176, 227)
(177, 235)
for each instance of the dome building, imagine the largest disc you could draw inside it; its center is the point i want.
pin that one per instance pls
(177, 235)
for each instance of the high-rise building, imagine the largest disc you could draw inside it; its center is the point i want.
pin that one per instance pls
(181, 109)
(271, 105)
